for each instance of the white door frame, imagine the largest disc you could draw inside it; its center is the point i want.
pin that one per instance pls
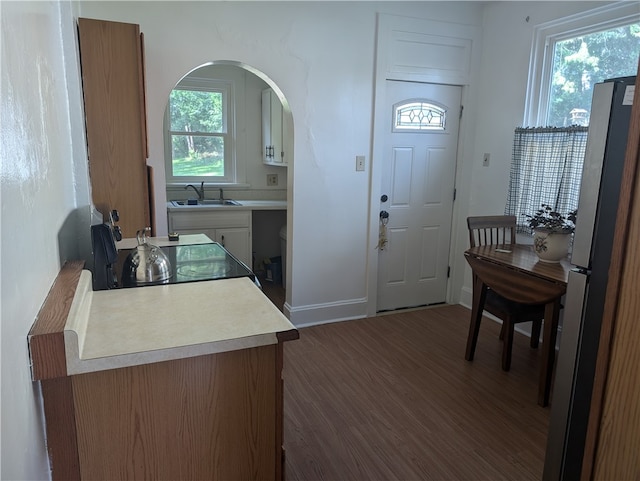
(446, 42)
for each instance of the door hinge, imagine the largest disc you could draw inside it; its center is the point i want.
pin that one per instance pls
(448, 271)
(461, 109)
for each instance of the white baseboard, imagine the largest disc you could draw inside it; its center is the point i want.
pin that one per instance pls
(315, 314)
(466, 297)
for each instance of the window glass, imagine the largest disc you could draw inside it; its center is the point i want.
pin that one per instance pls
(569, 55)
(418, 115)
(580, 62)
(197, 130)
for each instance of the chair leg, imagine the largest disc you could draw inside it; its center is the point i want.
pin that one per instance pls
(472, 337)
(507, 345)
(535, 333)
(502, 330)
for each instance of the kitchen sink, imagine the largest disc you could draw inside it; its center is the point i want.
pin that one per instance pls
(192, 203)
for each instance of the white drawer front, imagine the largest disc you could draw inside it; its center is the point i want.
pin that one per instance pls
(198, 220)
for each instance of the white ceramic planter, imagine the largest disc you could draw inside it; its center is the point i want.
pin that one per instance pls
(551, 246)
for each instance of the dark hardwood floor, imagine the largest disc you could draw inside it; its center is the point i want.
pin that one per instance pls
(392, 398)
(274, 291)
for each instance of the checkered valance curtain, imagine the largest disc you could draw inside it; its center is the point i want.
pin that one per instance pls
(546, 168)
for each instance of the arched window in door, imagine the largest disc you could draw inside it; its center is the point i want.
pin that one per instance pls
(418, 115)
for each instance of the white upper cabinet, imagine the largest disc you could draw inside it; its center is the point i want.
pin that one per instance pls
(274, 133)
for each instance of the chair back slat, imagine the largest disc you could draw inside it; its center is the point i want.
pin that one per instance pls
(492, 229)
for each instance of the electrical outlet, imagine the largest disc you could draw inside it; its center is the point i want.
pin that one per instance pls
(359, 163)
(272, 179)
(485, 160)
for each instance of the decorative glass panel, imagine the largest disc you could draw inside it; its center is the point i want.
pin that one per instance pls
(417, 115)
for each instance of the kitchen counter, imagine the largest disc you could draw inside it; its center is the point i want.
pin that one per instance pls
(127, 327)
(79, 330)
(245, 205)
(163, 241)
(230, 225)
(175, 381)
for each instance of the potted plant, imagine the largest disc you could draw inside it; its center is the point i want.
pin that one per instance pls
(551, 232)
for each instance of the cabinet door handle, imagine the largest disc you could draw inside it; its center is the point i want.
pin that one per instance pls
(222, 239)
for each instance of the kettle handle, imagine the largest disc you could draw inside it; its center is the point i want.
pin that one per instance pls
(141, 235)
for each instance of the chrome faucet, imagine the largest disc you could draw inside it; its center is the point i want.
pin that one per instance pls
(199, 191)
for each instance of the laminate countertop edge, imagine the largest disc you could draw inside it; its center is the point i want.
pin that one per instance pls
(244, 205)
(128, 327)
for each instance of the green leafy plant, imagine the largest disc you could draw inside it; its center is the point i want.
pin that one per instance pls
(549, 220)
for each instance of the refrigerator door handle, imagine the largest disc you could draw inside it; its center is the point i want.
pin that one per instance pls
(565, 369)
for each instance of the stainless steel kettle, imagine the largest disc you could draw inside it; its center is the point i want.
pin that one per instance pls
(147, 264)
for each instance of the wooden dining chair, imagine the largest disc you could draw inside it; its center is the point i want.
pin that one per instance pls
(501, 230)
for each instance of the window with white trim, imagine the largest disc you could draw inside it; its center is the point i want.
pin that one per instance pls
(569, 56)
(199, 133)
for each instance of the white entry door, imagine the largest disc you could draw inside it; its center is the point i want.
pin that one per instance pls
(417, 193)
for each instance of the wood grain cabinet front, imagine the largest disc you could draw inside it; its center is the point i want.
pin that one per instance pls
(111, 56)
(209, 416)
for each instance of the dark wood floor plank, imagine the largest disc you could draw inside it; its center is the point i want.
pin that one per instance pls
(392, 397)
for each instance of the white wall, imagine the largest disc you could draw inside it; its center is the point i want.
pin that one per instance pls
(320, 55)
(500, 109)
(44, 192)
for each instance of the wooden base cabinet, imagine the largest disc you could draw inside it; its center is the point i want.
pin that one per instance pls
(208, 417)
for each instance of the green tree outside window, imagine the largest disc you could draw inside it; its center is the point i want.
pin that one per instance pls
(580, 62)
(197, 132)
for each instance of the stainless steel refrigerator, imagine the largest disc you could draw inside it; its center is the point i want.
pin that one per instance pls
(586, 289)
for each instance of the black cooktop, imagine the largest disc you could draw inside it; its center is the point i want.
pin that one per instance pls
(191, 263)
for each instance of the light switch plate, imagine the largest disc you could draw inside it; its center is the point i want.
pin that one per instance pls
(359, 163)
(485, 160)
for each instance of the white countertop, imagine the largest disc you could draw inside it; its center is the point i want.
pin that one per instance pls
(163, 241)
(127, 327)
(245, 205)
